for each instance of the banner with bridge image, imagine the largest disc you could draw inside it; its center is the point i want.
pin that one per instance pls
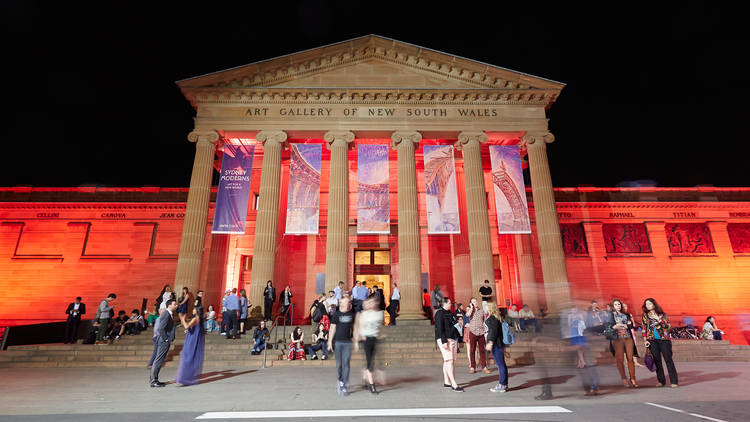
(303, 198)
(234, 189)
(510, 192)
(373, 201)
(441, 190)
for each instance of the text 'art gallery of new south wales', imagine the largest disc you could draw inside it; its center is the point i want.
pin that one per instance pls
(380, 161)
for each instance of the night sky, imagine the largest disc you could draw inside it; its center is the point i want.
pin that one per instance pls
(652, 94)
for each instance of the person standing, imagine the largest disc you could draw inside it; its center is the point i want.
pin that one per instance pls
(224, 314)
(166, 294)
(476, 336)
(656, 335)
(393, 306)
(74, 312)
(359, 294)
(183, 304)
(338, 291)
(426, 306)
(341, 334)
(191, 356)
(285, 301)
(445, 336)
(233, 313)
(269, 297)
(163, 338)
(332, 302)
(496, 346)
(486, 293)
(623, 342)
(104, 313)
(244, 305)
(368, 325)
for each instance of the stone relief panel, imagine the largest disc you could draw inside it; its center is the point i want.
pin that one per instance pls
(574, 239)
(628, 238)
(689, 238)
(739, 236)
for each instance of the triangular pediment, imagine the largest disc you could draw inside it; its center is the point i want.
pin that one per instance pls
(370, 62)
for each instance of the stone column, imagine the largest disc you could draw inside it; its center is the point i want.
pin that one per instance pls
(196, 211)
(409, 264)
(551, 252)
(337, 233)
(526, 271)
(480, 244)
(267, 220)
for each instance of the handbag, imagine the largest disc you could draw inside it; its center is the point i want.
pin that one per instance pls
(609, 334)
(648, 360)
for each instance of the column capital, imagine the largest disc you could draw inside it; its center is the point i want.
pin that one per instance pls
(335, 136)
(400, 137)
(470, 138)
(210, 136)
(531, 138)
(278, 136)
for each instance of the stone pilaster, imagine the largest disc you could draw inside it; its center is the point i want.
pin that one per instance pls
(551, 251)
(337, 233)
(480, 244)
(196, 211)
(526, 272)
(267, 220)
(409, 264)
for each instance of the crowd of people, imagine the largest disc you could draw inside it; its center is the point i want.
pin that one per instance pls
(345, 321)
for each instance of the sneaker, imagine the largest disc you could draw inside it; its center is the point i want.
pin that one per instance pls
(314, 357)
(222, 334)
(457, 389)
(117, 337)
(344, 391)
(543, 396)
(447, 386)
(674, 386)
(499, 388)
(324, 357)
(658, 384)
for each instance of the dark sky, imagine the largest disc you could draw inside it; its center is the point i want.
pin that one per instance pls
(652, 93)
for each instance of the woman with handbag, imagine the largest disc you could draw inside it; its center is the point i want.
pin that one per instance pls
(622, 341)
(656, 335)
(496, 346)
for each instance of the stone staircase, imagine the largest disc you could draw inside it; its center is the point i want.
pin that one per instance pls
(409, 343)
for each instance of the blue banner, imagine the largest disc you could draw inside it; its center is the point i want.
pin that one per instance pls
(234, 189)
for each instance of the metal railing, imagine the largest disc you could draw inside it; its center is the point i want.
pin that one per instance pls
(289, 312)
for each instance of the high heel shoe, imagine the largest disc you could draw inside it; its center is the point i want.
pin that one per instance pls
(625, 383)
(372, 389)
(635, 384)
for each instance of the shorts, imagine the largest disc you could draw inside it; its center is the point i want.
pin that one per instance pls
(449, 354)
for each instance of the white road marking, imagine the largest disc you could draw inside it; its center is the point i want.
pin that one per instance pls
(449, 411)
(682, 411)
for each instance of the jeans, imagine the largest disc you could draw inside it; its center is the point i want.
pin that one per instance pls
(343, 352)
(260, 344)
(393, 310)
(103, 326)
(322, 346)
(659, 349)
(232, 325)
(498, 353)
(224, 321)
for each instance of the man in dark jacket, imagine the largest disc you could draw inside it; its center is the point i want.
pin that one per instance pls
(74, 312)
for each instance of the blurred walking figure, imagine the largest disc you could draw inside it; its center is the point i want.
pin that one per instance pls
(369, 323)
(342, 327)
(656, 335)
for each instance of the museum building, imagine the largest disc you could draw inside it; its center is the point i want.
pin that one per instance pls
(379, 161)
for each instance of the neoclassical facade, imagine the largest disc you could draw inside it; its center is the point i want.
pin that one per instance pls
(373, 89)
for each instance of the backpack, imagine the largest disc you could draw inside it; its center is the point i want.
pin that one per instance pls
(508, 336)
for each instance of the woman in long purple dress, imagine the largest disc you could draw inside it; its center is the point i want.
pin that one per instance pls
(191, 357)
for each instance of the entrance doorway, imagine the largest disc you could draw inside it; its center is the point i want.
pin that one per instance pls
(373, 266)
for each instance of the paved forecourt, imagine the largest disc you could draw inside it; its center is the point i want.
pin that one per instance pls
(708, 389)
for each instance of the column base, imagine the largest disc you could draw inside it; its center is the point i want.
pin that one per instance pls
(408, 316)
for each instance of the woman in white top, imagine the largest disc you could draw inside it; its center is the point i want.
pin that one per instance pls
(211, 324)
(165, 297)
(367, 328)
